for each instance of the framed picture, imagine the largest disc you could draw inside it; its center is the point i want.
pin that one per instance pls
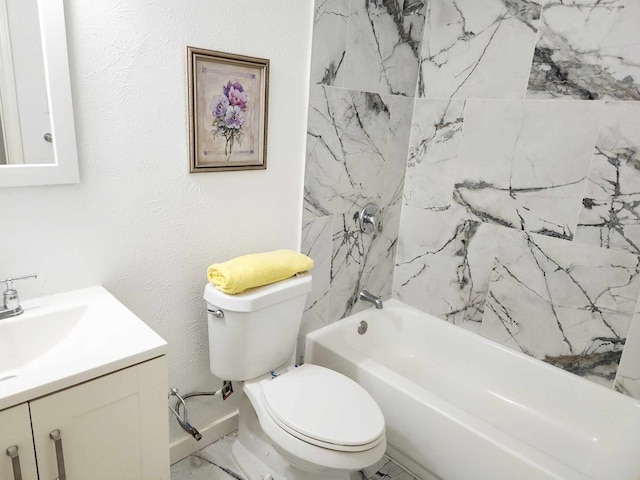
(228, 103)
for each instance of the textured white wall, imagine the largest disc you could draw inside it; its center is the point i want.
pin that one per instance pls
(138, 222)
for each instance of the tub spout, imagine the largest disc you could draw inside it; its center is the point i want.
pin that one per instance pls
(369, 297)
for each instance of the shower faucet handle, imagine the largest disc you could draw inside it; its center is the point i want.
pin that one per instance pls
(369, 219)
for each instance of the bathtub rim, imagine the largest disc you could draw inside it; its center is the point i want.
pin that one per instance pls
(538, 458)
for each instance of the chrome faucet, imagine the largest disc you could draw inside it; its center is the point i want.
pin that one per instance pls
(12, 306)
(369, 297)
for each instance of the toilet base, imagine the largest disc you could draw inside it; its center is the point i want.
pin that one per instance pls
(258, 458)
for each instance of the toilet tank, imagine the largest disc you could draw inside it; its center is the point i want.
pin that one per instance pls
(259, 329)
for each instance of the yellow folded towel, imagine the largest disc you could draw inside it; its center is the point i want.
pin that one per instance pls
(257, 269)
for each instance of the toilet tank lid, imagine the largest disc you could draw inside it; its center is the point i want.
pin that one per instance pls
(259, 297)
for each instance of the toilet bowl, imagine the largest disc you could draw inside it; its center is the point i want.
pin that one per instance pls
(309, 422)
(295, 422)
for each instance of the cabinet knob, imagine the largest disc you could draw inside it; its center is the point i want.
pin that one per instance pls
(57, 440)
(12, 452)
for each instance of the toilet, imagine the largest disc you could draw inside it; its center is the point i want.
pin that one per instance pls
(296, 422)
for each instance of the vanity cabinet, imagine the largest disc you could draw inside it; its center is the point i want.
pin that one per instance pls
(112, 427)
(15, 431)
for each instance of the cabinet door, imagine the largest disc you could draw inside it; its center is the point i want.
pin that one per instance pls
(15, 430)
(114, 427)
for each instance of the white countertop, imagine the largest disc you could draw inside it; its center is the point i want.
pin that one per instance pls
(65, 339)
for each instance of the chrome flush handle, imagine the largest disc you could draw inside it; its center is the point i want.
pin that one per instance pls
(216, 313)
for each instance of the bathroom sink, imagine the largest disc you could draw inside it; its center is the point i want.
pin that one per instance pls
(64, 339)
(26, 338)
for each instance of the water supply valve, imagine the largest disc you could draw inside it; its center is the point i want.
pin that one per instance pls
(227, 389)
(182, 420)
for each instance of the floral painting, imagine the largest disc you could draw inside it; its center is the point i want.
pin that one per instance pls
(228, 115)
(228, 111)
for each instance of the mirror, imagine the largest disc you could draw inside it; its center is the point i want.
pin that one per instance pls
(37, 133)
(24, 111)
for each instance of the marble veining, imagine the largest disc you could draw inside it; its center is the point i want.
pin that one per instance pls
(433, 153)
(383, 48)
(508, 177)
(361, 261)
(628, 377)
(349, 139)
(486, 150)
(443, 263)
(626, 385)
(398, 141)
(364, 67)
(317, 244)
(570, 305)
(330, 22)
(477, 49)
(587, 50)
(610, 215)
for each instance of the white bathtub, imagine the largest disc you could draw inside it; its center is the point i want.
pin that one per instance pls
(461, 407)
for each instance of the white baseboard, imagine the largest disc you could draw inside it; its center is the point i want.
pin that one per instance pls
(187, 445)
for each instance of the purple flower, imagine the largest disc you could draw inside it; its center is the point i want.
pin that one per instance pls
(237, 98)
(219, 105)
(234, 117)
(236, 85)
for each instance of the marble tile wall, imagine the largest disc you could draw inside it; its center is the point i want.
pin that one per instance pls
(587, 49)
(477, 49)
(521, 207)
(364, 68)
(566, 303)
(501, 141)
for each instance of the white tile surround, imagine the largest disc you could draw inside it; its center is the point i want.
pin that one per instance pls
(214, 462)
(520, 174)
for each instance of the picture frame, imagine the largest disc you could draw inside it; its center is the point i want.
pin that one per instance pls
(228, 111)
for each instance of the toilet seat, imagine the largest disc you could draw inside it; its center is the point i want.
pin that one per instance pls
(303, 450)
(324, 408)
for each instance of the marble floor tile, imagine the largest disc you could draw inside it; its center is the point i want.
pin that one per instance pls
(214, 462)
(386, 469)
